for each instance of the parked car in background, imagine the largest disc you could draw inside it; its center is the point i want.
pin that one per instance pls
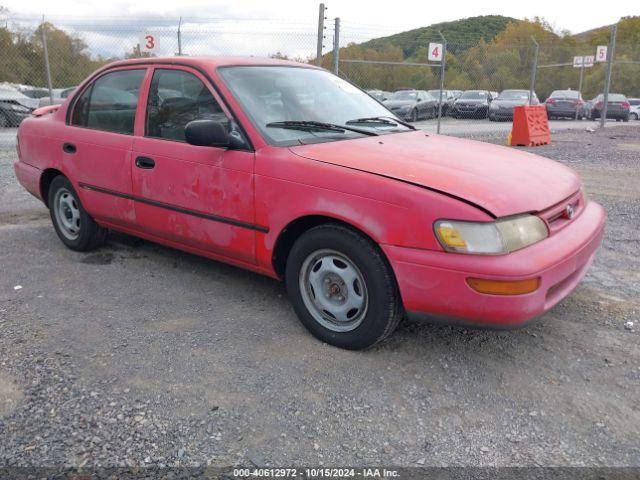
(447, 100)
(14, 107)
(412, 105)
(502, 107)
(59, 96)
(634, 108)
(564, 104)
(34, 92)
(472, 104)
(379, 95)
(618, 107)
(366, 219)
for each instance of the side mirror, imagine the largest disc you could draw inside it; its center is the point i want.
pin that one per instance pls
(206, 133)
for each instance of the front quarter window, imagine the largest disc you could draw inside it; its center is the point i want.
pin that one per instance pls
(272, 94)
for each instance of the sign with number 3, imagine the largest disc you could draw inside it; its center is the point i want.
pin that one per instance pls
(435, 52)
(148, 42)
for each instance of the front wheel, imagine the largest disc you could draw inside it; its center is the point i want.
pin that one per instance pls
(74, 226)
(342, 288)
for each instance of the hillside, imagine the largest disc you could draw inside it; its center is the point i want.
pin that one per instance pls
(459, 33)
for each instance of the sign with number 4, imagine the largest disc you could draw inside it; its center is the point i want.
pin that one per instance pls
(435, 52)
(148, 42)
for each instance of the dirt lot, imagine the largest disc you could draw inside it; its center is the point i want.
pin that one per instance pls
(141, 355)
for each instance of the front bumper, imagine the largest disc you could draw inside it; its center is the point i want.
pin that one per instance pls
(434, 282)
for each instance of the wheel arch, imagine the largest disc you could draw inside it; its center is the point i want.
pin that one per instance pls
(294, 229)
(45, 182)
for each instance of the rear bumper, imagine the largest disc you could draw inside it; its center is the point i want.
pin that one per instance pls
(566, 111)
(29, 177)
(434, 282)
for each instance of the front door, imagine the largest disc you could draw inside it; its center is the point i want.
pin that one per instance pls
(201, 197)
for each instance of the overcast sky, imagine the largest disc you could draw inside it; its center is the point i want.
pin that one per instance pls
(110, 28)
(395, 16)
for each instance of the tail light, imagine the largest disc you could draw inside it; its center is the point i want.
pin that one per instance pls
(550, 100)
(599, 105)
(626, 105)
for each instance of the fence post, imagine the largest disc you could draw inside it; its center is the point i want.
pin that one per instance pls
(180, 37)
(336, 45)
(444, 56)
(321, 19)
(47, 67)
(607, 81)
(534, 69)
(580, 87)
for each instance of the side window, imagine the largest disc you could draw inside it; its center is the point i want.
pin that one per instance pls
(110, 102)
(176, 98)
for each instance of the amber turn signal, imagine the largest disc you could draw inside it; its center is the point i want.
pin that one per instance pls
(504, 287)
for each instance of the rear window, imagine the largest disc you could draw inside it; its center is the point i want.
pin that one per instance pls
(634, 101)
(565, 94)
(614, 97)
(110, 102)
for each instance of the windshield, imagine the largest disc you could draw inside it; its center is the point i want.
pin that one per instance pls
(474, 95)
(279, 94)
(514, 95)
(404, 95)
(564, 94)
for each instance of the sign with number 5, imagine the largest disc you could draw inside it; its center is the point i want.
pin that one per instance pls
(601, 53)
(148, 42)
(435, 52)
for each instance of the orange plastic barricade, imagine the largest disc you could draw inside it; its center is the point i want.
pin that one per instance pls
(530, 126)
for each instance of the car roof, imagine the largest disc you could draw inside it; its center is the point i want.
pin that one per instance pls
(210, 61)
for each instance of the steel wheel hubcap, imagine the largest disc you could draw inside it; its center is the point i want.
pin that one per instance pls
(333, 290)
(67, 213)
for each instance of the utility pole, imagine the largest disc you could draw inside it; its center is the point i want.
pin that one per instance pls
(442, 65)
(321, 19)
(45, 51)
(534, 69)
(180, 37)
(336, 46)
(607, 81)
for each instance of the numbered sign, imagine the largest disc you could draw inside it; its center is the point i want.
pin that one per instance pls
(588, 60)
(578, 62)
(601, 53)
(435, 52)
(148, 42)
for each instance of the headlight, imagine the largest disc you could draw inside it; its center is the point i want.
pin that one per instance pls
(490, 238)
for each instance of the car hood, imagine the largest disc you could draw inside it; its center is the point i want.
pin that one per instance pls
(398, 103)
(471, 101)
(501, 180)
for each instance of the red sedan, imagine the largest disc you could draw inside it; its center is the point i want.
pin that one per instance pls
(292, 172)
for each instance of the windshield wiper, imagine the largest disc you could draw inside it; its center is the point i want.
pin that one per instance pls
(382, 120)
(309, 125)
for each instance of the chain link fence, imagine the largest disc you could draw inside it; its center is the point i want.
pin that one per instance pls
(516, 57)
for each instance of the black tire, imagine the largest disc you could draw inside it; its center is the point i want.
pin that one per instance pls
(384, 309)
(4, 120)
(625, 119)
(492, 118)
(634, 116)
(89, 234)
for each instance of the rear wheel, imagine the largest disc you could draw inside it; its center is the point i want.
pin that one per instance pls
(634, 116)
(77, 230)
(342, 288)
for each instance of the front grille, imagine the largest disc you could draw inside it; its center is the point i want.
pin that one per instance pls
(558, 216)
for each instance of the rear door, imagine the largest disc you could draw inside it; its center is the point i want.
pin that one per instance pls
(97, 144)
(201, 197)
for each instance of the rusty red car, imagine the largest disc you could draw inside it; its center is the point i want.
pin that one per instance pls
(292, 172)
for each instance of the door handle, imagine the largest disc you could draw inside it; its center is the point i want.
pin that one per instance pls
(145, 162)
(69, 147)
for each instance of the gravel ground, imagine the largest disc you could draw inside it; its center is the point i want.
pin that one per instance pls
(140, 355)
